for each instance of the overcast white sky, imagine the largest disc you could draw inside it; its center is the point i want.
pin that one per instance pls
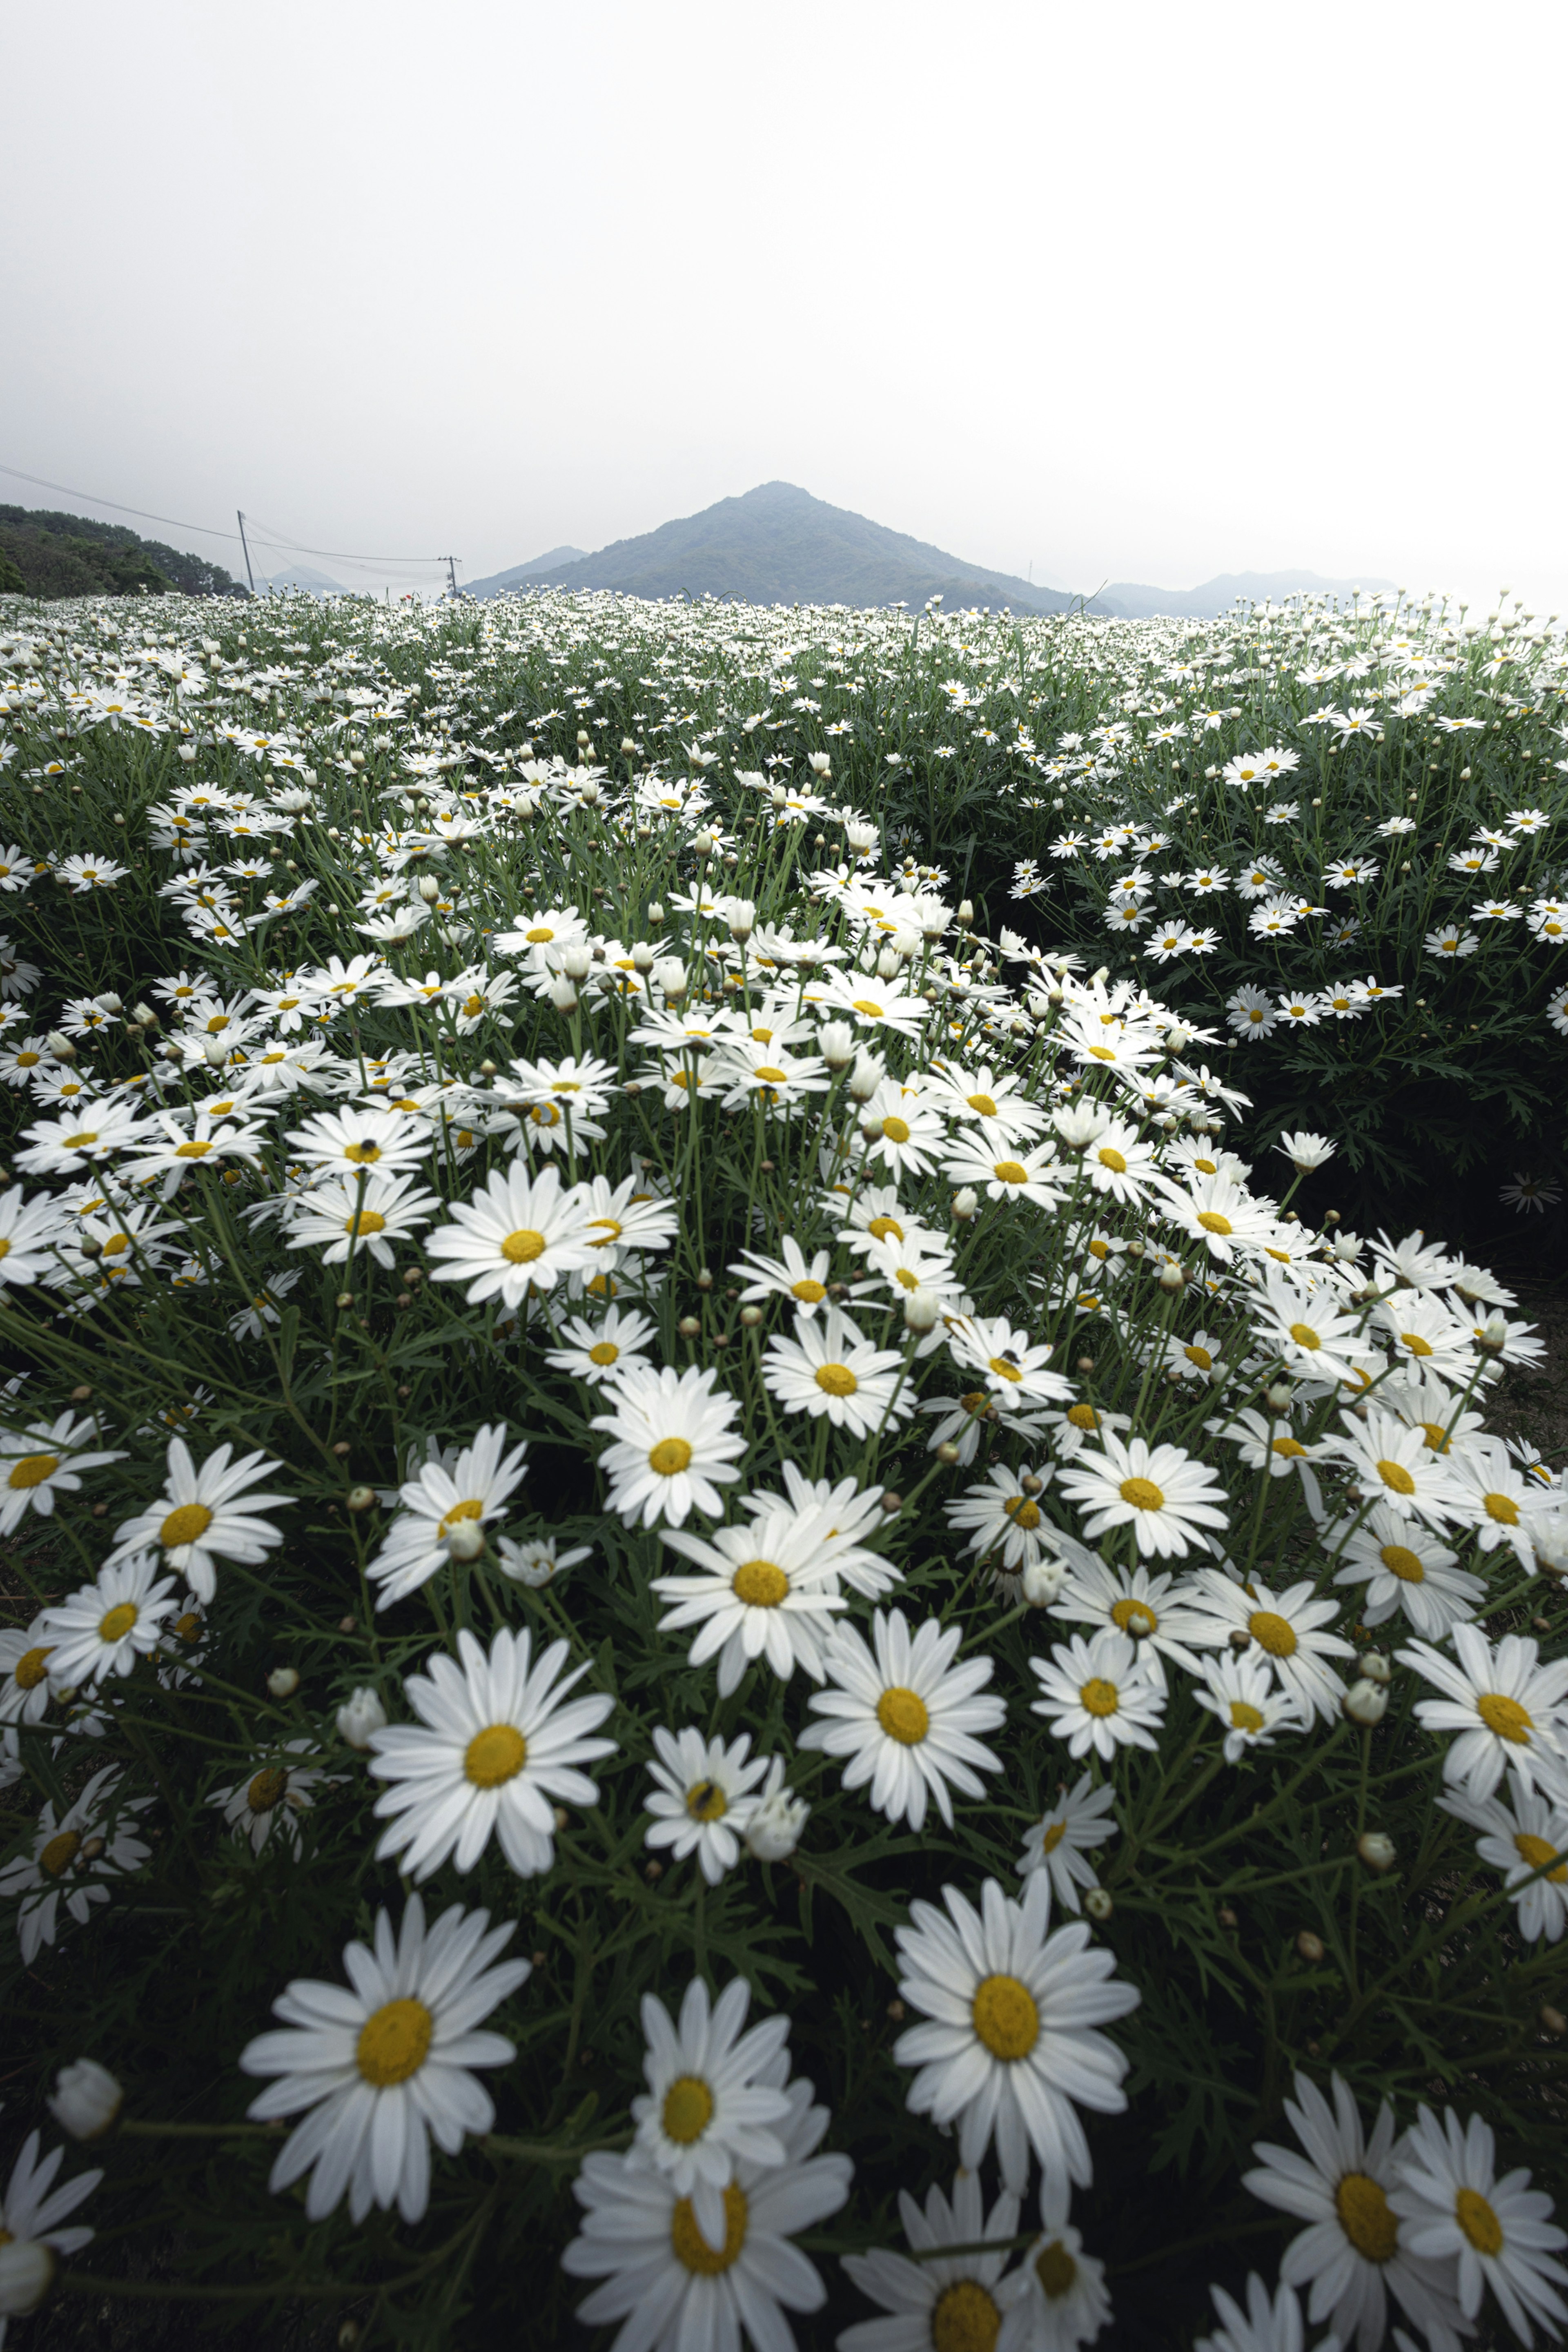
(1127, 290)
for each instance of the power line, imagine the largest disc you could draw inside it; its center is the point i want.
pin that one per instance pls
(337, 554)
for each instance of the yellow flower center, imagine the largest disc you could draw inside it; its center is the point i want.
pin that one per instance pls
(1109, 1157)
(964, 2318)
(1396, 1475)
(609, 1226)
(1478, 2221)
(1502, 1508)
(864, 1005)
(691, 2249)
(1436, 1435)
(1402, 1562)
(1010, 1172)
(775, 1077)
(362, 1154)
(195, 1150)
(1083, 1416)
(365, 1221)
(73, 1142)
(836, 1380)
(1099, 1697)
(1006, 2017)
(811, 1292)
(188, 1626)
(1272, 1632)
(266, 1790)
(1004, 1369)
(540, 935)
(1415, 1343)
(1201, 1357)
(897, 1130)
(1134, 1617)
(523, 1246)
(1056, 2270)
(880, 1228)
(1206, 1167)
(1289, 1447)
(706, 1803)
(59, 1852)
(759, 1584)
(1052, 1836)
(1536, 1852)
(118, 1622)
(394, 2043)
(1213, 1223)
(494, 1755)
(1506, 1717)
(30, 1668)
(982, 1104)
(32, 1470)
(1103, 1053)
(903, 1716)
(185, 1525)
(1245, 1718)
(1021, 1511)
(472, 1509)
(603, 1352)
(670, 1457)
(687, 2110)
(1142, 1494)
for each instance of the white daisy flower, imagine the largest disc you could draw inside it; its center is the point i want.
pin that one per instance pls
(1155, 1610)
(1250, 1707)
(845, 1513)
(204, 1515)
(1159, 1491)
(386, 2065)
(1219, 1213)
(1266, 2325)
(1500, 2232)
(356, 1215)
(1056, 2298)
(1006, 1171)
(669, 2284)
(833, 1369)
(1286, 1627)
(1353, 2252)
(273, 1797)
(1083, 1818)
(340, 1142)
(521, 1233)
(1003, 1515)
(1395, 1465)
(1308, 1331)
(1072, 1428)
(534, 1560)
(30, 1231)
(803, 1281)
(1015, 1368)
(672, 1445)
(1529, 1846)
(439, 1500)
(31, 2213)
(1405, 1567)
(104, 1627)
(42, 1460)
(1099, 1693)
(906, 1716)
(707, 2107)
(941, 2299)
(604, 1351)
(25, 1691)
(703, 1798)
(767, 1590)
(499, 1750)
(1010, 2005)
(39, 1877)
(1505, 1705)
(1494, 1497)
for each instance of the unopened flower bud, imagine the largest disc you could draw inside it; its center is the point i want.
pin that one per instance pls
(144, 1016)
(965, 915)
(283, 1682)
(429, 889)
(1279, 1393)
(60, 1045)
(751, 1316)
(577, 960)
(1042, 1581)
(669, 973)
(465, 1540)
(1365, 1703)
(1376, 1851)
(1374, 1668)
(27, 2274)
(835, 1044)
(1310, 1947)
(866, 1076)
(86, 2100)
(563, 996)
(642, 955)
(1098, 1903)
(773, 1830)
(688, 1326)
(922, 1309)
(965, 1203)
(358, 1716)
(1172, 1276)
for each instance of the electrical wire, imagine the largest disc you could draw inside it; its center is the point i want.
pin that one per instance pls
(291, 546)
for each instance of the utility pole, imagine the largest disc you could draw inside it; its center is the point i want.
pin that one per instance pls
(245, 544)
(451, 564)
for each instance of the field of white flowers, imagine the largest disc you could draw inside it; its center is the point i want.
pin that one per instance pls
(729, 1616)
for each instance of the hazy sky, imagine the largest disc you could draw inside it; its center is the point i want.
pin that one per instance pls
(1127, 290)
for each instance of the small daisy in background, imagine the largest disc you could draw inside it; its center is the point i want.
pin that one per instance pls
(672, 1445)
(1099, 1693)
(273, 1797)
(42, 1460)
(387, 2065)
(1057, 2297)
(24, 1692)
(1248, 1704)
(206, 1515)
(31, 2213)
(939, 2297)
(104, 1628)
(443, 1510)
(704, 1796)
(604, 1351)
(57, 1871)
(536, 1561)
(906, 1715)
(1500, 2232)
(1082, 1819)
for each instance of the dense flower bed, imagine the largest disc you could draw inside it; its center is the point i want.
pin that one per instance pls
(712, 1595)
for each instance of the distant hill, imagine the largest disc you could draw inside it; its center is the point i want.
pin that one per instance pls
(1131, 602)
(303, 576)
(526, 575)
(52, 555)
(778, 545)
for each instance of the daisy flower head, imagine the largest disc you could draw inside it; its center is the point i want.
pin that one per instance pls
(31, 2213)
(1011, 2047)
(705, 2108)
(205, 1515)
(906, 1715)
(900, 1129)
(830, 1368)
(104, 1627)
(1505, 1708)
(1526, 1840)
(1119, 1163)
(1082, 1819)
(1308, 1331)
(1287, 1628)
(386, 2065)
(436, 1503)
(521, 1234)
(765, 1590)
(1249, 1705)
(24, 1692)
(1493, 1496)
(1099, 1694)
(1217, 1213)
(1500, 2232)
(1159, 1491)
(1006, 1171)
(672, 1445)
(672, 2285)
(793, 1276)
(275, 1796)
(535, 1560)
(1003, 1515)
(704, 1797)
(1155, 1610)
(1395, 1465)
(339, 1142)
(604, 1351)
(38, 1876)
(355, 1214)
(42, 1460)
(1269, 2323)
(940, 2298)
(1056, 2298)
(1353, 2252)
(1404, 1567)
(1015, 1368)
(497, 1748)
